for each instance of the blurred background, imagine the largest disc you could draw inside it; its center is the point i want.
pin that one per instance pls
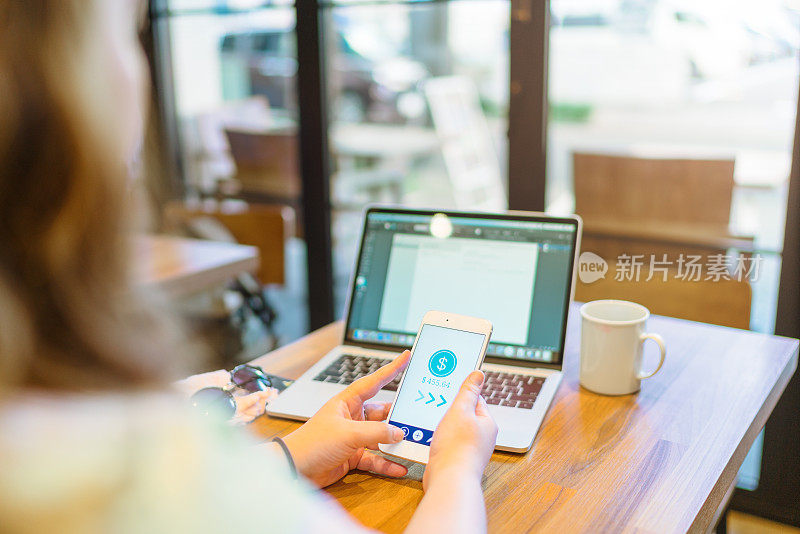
(293, 117)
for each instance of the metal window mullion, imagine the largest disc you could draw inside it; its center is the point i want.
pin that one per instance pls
(314, 161)
(527, 111)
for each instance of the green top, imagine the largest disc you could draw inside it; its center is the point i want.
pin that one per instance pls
(128, 464)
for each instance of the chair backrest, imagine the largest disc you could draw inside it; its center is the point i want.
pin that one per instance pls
(264, 226)
(208, 158)
(266, 161)
(466, 141)
(638, 189)
(257, 149)
(252, 113)
(724, 302)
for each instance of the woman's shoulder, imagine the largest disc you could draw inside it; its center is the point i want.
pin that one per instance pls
(67, 424)
(69, 443)
(104, 424)
(137, 462)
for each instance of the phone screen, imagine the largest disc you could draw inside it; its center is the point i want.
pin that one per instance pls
(442, 360)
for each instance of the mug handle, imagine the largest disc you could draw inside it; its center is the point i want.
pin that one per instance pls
(661, 345)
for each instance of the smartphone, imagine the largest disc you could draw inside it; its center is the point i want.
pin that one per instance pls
(447, 349)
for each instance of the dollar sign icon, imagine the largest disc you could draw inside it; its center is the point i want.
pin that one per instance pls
(442, 363)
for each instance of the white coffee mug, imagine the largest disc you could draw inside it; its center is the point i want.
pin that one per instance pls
(612, 337)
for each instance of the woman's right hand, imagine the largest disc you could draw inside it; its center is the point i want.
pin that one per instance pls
(464, 440)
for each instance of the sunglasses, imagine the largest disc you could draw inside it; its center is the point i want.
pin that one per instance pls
(220, 400)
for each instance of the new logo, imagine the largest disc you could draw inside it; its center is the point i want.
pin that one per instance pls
(591, 267)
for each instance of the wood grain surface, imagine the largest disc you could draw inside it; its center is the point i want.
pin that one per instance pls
(180, 266)
(659, 461)
(264, 226)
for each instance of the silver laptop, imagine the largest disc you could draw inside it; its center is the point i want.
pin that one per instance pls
(516, 269)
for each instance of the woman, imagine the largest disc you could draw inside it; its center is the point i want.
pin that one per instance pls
(89, 438)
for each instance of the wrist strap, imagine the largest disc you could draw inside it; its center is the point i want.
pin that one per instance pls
(288, 454)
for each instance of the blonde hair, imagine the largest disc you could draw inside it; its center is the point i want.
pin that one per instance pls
(68, 317)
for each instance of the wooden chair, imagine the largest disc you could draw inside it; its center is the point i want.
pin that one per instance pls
(657, 190)
(661, 206)
(648, 206)
(264, 226)
(267, 163)
(209, 162)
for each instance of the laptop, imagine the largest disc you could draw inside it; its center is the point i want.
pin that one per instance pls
(516, 269)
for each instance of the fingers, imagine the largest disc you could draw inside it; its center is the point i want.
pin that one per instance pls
(377, 411)
(470, 392)
(482, 409)
(378, 464)
(370, 433)
(367, 387)
(486, 419)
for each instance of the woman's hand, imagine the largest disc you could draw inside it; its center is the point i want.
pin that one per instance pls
(464, 440)
(335, 440)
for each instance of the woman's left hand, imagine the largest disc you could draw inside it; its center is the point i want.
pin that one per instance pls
(336, 439)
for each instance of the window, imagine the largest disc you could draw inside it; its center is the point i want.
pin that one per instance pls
(415, 106)
(233, 71)
(663, 81)
(418, 107)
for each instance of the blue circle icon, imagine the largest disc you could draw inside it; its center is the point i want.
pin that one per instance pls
(442, 363)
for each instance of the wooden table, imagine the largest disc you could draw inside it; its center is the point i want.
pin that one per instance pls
(182, 266)
(663, 460)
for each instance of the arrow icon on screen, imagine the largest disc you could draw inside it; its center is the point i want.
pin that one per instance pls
(432, 398)
(444, 401)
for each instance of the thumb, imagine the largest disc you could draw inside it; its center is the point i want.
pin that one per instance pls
(470, 391)
(370, 433)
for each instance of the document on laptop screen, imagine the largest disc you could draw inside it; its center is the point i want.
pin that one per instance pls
(429, 273)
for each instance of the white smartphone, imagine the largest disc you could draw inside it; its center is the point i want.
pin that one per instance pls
(447, 349)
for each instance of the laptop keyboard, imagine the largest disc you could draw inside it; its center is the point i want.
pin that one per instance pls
(348, 368)
(503, 389)
(510, 389)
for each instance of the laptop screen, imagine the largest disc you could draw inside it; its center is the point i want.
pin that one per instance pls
(513, 270)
